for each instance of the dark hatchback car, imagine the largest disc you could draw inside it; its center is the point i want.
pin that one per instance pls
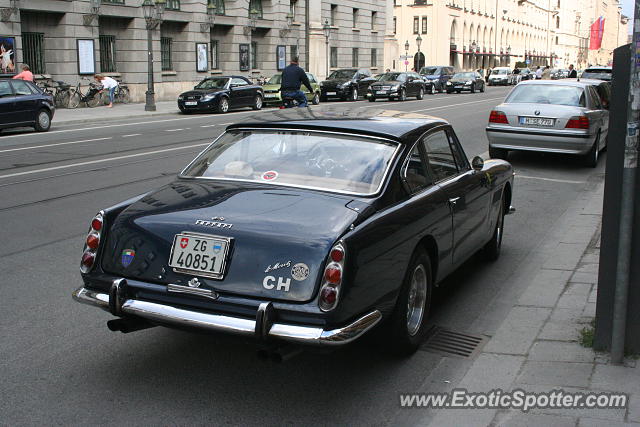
(470, 80)
(439, 75)
(600, 73)
(220, 94)
(347, 84)
(23, 104)
(399, 86)
(301, 228)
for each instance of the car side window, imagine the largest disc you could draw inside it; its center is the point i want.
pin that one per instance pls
(440, 157)
(238, 82)
(5, 89)
(415, 173)
(461, 161)
(21, 88)
(595, 97)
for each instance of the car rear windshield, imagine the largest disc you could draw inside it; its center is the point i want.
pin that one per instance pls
(212, 83)
(297, 159)
(428, 70)
(547, 94)
(597, 73)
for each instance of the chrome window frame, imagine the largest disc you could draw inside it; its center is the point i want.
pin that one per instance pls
(383, 180)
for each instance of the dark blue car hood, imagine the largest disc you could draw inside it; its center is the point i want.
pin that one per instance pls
(269, 225)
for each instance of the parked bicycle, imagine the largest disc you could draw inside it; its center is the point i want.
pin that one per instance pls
(91, 97)
(121, 96)
(61, 92)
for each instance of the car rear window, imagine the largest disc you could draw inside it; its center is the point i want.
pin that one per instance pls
(297, 159)
(547, 94)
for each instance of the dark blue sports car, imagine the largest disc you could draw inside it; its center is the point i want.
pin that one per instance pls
(307, 228)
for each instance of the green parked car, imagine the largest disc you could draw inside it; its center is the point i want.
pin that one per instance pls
(272, 90)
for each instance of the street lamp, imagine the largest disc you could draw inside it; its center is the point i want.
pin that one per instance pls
(94, 7)
(211, 17)
(473, 47)
(406, 55)
(152, 10)
(6, 12)
(326, 28)
(419, 42)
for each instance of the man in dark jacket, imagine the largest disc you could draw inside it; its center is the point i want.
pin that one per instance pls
(292, 78)
(572, 73)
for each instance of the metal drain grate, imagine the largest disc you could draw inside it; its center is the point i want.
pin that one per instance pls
(447, 342)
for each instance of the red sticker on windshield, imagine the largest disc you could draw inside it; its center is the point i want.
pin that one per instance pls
(269, 175)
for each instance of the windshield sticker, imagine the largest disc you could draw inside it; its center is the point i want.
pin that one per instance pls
(269, 175)
(300, 271)
(277, 266)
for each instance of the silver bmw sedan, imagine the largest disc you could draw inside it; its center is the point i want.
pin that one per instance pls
(552, 116)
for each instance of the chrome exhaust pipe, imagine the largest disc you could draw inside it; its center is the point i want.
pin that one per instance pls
(127, 325)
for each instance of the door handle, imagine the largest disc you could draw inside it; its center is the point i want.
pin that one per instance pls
(453, 201)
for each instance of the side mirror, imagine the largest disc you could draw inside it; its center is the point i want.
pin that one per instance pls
(195, 87)
(477, 163)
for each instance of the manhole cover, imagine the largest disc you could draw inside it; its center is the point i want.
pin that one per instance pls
(448, 342)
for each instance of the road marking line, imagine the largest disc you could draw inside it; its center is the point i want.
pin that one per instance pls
(456, 105)
(173, 130)
(92, 162)
(208, 126)
(131, 134)
(53, 145)
(564, 181)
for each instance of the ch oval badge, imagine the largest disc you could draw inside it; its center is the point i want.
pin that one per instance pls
(300, 271)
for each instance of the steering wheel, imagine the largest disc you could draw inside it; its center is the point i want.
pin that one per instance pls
(321, 163)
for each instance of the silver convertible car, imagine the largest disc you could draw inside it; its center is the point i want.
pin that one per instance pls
(552, 116)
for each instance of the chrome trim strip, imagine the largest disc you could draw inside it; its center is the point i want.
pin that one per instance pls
(300, 334)
(207, 293)
(387, 171)
(539, 133)
(543, 150)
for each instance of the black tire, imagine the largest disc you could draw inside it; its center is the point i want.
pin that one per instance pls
(74, 100)
(372, 99)
(354, 95)
(402, 96)
(491, 251)
(449, 91)
(482, 89)
(420, 94)
(223, 105)
(257, 103)
(441, 88)
(458, 90)
(399, 338)
(591, 158)
(498, 153)
(95, 100)
(43, 121)
(316, 99)
(473, 88)
(124, 95)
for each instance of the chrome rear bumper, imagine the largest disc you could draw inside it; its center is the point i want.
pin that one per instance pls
(166, 314)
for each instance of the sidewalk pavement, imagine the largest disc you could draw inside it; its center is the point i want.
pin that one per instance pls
(68, 116)
(536, 348)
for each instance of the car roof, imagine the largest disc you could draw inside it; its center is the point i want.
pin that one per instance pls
(390, 124)
(563, 82)
(589, 81)
(602, 68)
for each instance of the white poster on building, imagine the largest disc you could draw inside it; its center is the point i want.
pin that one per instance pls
(86, 57)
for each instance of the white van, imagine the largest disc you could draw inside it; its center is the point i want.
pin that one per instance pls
(501, 76)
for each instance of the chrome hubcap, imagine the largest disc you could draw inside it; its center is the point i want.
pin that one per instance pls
(43, 120)
(499, 229)
(355, 95)
(416, 299)
(225, 105)
(258, 102)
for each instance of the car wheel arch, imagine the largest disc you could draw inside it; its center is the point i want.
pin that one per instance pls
(429, 244)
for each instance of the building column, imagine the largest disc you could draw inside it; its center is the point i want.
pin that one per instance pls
(391, 53)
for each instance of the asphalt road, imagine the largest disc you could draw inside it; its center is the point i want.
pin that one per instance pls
(60, 365)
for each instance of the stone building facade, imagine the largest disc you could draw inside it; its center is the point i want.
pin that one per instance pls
(52, 37)
(472, 34)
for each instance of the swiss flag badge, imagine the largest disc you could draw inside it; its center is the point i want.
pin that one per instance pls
(183, 242)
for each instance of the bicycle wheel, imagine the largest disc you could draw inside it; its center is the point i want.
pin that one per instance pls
(74, 99)
(124, 96)
(104, 98)
(94, 100)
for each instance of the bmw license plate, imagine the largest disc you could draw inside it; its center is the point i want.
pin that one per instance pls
(536, 121)
(191, 103)
(331, 93)
(199, 254)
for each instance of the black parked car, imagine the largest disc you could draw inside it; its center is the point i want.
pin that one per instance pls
(308, 230)
(22, 103)
(346, 84)
(440, 75)
(399, 86)
(470, 80)
(221, 94)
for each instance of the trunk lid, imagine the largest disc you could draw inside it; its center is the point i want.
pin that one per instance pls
(560, 114)
(273, 232)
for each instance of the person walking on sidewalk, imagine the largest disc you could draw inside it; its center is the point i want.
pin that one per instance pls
(572, 72)
(109, 84)
(292, 79)
(26, 74)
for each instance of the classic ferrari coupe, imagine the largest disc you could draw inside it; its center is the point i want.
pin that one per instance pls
(301, 227)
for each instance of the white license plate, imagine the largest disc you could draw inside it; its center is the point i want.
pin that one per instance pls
(536, 121)
(191, 103)
(199, 254)
(381, 92)
(270, 95)
(331, 93)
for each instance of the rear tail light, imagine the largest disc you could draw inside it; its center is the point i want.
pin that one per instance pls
(498, 117)
(92, 243)
(332, 278)
(578, 122)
